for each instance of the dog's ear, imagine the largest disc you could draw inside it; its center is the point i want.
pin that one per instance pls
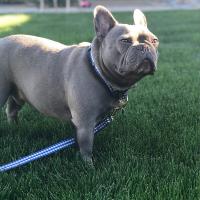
(103, 21)
(139, 18)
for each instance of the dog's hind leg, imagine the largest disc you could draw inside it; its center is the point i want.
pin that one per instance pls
(4, 91)
(12, 109)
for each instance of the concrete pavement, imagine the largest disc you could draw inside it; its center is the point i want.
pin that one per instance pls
(113, 7)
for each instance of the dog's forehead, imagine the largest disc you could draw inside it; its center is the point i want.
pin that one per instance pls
(132, 31)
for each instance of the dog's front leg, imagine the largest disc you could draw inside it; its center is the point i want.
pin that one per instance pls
(85, 138)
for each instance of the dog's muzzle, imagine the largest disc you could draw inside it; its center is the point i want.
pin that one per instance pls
(149, 58)
(148, 66)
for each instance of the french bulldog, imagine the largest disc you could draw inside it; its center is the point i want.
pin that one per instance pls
(59, 81)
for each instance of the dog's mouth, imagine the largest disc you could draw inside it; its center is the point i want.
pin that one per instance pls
(147, 66)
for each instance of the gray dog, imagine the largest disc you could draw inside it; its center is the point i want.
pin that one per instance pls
(59, 80)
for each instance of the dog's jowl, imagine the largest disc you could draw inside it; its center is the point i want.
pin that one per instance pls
(60, 81)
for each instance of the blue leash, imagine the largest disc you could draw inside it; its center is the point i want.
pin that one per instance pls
(52, 149)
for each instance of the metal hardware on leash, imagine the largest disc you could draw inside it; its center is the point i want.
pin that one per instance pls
(51, 149)
(120, 106)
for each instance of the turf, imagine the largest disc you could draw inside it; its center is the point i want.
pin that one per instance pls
(152, 151)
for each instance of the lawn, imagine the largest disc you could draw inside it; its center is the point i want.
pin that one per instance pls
(152, 151)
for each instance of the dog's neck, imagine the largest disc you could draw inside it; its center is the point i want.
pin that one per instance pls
(116, 80)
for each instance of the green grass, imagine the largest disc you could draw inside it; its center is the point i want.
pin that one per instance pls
(150, 152)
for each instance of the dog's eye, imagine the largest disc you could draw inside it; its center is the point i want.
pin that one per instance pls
(154, 41)
(126, 40)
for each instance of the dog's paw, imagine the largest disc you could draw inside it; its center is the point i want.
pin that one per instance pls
(86, 160)
(12, 119)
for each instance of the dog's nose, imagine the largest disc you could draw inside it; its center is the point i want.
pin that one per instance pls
(142, 47)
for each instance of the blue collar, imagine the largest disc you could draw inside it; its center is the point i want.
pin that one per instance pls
(117, 94)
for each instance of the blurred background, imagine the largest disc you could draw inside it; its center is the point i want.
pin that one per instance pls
(87, 5)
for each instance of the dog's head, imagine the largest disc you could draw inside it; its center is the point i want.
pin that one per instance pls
(126, 53)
